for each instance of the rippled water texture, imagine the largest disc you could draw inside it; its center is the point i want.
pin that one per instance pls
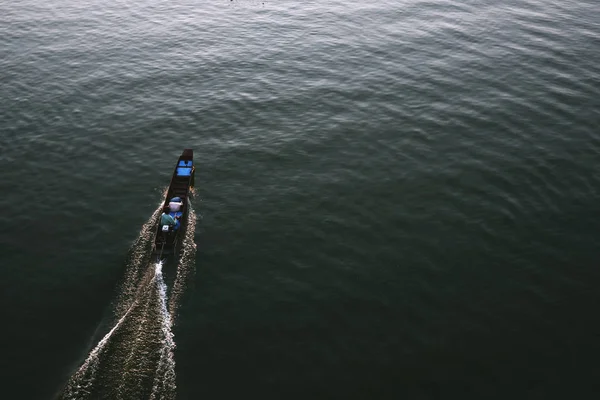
(394, 198)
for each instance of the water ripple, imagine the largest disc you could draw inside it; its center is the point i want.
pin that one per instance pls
(404, 166)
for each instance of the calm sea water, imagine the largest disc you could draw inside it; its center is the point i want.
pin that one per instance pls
(395, 199)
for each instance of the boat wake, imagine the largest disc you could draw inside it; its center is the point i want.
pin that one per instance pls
(135, 359)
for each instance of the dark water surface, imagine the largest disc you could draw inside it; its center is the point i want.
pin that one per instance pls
(395, 199)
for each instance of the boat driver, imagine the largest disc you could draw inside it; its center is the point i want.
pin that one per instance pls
(167, 219)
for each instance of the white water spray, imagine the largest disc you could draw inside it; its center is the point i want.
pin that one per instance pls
(185, 267)
(164, 380)
(80, 383)
(141, 358)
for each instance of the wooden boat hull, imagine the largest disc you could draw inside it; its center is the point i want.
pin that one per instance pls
(167, 241)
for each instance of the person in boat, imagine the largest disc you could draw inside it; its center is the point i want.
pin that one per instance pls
(167, 219)
(175, 204)
(175, 207)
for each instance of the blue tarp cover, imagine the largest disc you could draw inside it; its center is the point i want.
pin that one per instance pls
(184, 163)
(184, 171)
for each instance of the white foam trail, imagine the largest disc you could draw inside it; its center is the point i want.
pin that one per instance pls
(141, 287)
(130, 367)
(164, 386)
(84, 377)
(164, 379)
(82, 380)
(186, 264)
(139, 256)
